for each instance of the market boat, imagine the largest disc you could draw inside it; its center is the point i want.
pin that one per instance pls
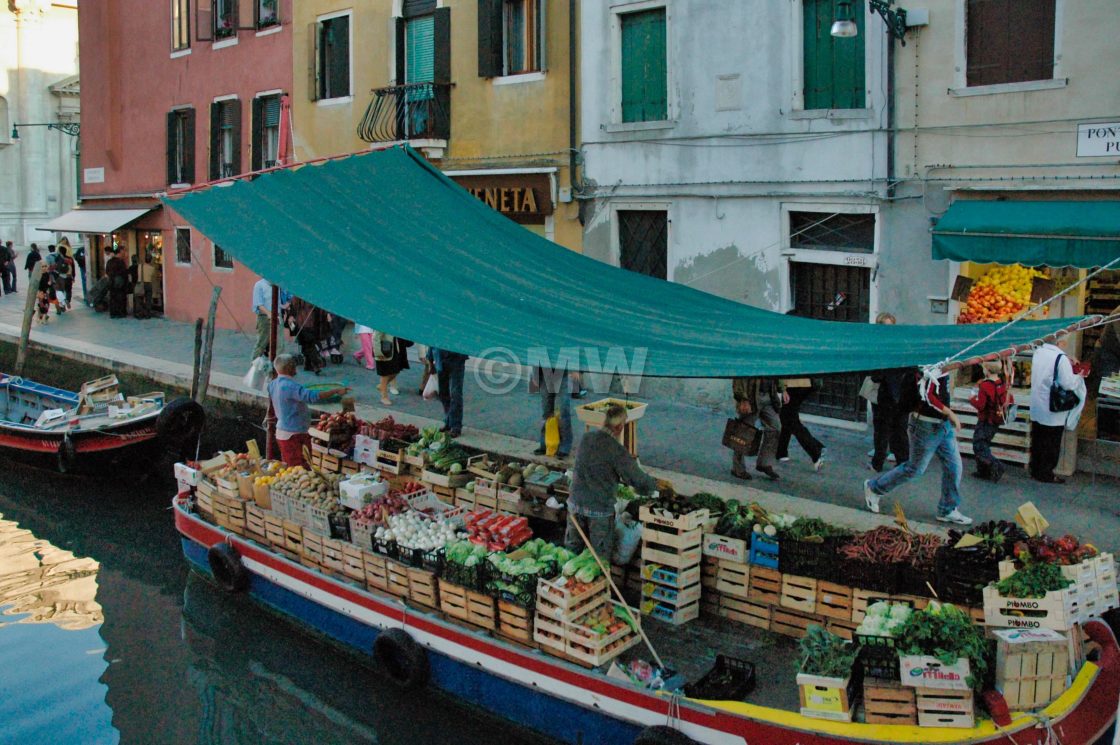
(77, 431)
(577, 705)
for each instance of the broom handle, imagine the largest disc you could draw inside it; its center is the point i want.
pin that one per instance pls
(607, 573)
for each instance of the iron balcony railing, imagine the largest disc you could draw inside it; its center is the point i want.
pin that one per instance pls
(414, 111)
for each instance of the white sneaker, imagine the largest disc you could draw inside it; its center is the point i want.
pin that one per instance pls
(871, 452)
(818, 464)
(784, 460)
(955, 517)
(870, 498)
(394, 391)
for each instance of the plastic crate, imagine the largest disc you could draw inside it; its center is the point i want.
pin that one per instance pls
(472, 578)
(879, 660)
(868, 576)
(361, 534)
(764, 552)
(418, 558)
(731, 679)
(810, 559)
(317, 519)
(962, 576)
(385, 547)
(340, 525)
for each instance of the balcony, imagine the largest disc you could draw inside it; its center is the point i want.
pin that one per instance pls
(418, 113)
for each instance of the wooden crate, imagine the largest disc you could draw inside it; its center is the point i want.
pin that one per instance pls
(709, 572)
(274, 529)
(765, 585)
(861, 598)
(464, 498)
(793, 623)
(669, 613)
(310, 563)
(515, 623)
(669, 576)
(556, 600)
(332, 555)
(938, 707)
(1031, 667)
(550, 635)
(594, 652)
(887, 701)
(293, 537)
(396, 578)
(733, 578)
(709, 605)
(834, 601)
(675, 558)
(745, 611)
(376, 571)
(423, 587)
(353, 562)
(1058, 610)
(799, 593)
(683, 539)
(677, 597)
(842, 629)
(349, 467)
(469, 606)
(254, 523)
(229, 512)
(312, 549)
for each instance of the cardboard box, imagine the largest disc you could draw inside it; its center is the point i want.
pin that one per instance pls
(354, 491)
(826, 698)
(365, 450)
(722, 547)
(921, 671)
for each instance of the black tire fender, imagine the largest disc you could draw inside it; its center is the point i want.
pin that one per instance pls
(402, 658)
(662, 735)
(180, 421)
(67, 454)
(226, 566)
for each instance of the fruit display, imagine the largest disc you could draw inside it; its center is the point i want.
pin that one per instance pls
(1065, 551)
(268, 473)
(341, 427)
(412, 530)
(495, 530)
(381, 509)
(997, 296)
(604, 621)
(320, 490)
(389, 429)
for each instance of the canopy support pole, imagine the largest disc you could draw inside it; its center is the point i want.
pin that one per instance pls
(270, 417)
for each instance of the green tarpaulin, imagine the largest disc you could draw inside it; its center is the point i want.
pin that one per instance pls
(387, 240)
(1081, 234)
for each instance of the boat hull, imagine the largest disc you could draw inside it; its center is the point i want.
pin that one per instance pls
(127, 443)
(577, 706)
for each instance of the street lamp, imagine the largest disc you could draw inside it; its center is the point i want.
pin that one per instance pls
(844, 27)
(66, 128)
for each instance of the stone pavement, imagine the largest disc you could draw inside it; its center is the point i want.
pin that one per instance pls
(679, 439)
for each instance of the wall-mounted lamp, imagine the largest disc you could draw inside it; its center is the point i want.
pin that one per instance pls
(66, 128)
(844, 26)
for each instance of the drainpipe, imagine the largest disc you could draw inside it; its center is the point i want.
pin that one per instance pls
(572, 67)
(890, 117)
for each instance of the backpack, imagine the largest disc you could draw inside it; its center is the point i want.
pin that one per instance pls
(996, 405)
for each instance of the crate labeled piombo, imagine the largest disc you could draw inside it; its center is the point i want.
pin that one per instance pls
(1058, 610)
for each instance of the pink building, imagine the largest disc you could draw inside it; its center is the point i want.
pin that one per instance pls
(176, 92)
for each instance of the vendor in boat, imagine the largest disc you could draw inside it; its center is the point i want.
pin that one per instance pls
(289, 401)
(601, 464)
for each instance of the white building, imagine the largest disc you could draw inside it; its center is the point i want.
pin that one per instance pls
(738, 147)
(38, 86)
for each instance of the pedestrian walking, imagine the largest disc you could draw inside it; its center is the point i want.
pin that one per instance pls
(64, 279)
(33, 258)
(117, 272)
(797, 390)
(80, 261)
(992, 398)
(758, 400)
(305, 323)
(391, 356)
(262, 309)
(1053, 378)
(451, 368)
(890, 416)
(554, 387)
(932, 431)
(601, 464)
(8, 267)
(334, 342)
(365, 341)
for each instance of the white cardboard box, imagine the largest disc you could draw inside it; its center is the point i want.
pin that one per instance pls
(354, 491)
(920, 671)
(365, 450)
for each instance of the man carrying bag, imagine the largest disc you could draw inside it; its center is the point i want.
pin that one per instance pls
(757, 401)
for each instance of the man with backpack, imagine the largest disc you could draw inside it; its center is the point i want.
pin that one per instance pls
(991, 401)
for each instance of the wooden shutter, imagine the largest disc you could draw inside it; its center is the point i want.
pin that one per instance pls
(542, 35)
(441, 37)
(172, 146)
(398, 48)
(313, 30)
(489, 38)
(340, 56)
(204, 20)
(1009, 41)
(1034, 32)
(833, 74)
(256, 135)
(234, 110)
(988, 45)
(645, 94)
(215, 140)
(188, 173)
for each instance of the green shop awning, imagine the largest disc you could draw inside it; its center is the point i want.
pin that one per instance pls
(385, 239)
(1081, 234)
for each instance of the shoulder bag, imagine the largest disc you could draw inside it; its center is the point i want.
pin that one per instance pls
(742, 437)
(1061, 399)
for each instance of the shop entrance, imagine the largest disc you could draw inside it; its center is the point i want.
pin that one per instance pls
(833, 292)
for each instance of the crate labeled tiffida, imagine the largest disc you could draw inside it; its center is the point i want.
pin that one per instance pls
(727, 549)
(923, 671)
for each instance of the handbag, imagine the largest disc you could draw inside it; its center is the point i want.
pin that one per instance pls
(1062, 399)
(869, 390)
(386, 348)
(742, 437)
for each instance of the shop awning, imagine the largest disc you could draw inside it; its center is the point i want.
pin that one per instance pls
(94, 221)
(1080, 234)
(385, 239)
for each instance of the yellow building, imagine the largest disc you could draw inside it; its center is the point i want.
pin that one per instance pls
(482, 87)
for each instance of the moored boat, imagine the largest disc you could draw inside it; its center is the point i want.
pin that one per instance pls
(578, 705)
(91, 429)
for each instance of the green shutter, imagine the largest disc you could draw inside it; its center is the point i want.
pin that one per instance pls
(419, 50)
(645, 94)
(833, 69)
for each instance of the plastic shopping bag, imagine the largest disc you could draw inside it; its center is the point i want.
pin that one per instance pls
(552, 435)
(627, 537)
(431, 389)
(257, 377)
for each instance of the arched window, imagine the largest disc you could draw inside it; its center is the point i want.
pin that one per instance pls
(5, 125)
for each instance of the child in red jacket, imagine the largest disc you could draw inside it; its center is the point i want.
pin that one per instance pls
(991, 401)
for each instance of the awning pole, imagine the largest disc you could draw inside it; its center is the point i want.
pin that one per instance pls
(270, 418)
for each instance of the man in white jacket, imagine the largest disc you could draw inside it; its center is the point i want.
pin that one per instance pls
(1049, 363)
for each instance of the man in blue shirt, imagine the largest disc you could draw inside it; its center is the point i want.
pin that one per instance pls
(451, 367)
(289, 401)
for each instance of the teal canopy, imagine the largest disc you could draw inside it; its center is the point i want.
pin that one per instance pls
(1081, 234)
(385, 239)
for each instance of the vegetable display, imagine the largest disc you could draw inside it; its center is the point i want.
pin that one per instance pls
(884, 618)
(412, 530)
(997, 539)
(1033, 581)
(823, 653)
(811, 529)
(343, 423)
(1065, 550)
(883, 545)
(381, 509)
(944, 631)
(736, 521)
(389, 429)
(583, 567)
(320, 490)
(495, 530)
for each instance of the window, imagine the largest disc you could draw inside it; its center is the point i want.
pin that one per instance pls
(832, 68)
(180, 146)
(643, 242)
(5, 128)
(1009, 41)
(225, 138)
(268, 13)
(182, 246)
(510, 37)
(180, 25)
(645, 87)
(225, 18)
(222, 260)
(266, 131)
(851, 233)
(332, 58)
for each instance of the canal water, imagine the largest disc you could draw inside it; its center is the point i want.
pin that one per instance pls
(106, 637)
